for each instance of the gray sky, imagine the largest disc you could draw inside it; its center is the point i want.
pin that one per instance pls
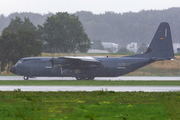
(95, 6)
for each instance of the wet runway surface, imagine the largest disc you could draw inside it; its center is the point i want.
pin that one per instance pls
(93, 88)
(97, 78)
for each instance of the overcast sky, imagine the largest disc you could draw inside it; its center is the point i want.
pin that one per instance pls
(95, 6)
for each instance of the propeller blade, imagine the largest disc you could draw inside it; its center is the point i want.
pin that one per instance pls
(52, 62)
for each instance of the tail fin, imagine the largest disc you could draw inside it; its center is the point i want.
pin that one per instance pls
(161, 47)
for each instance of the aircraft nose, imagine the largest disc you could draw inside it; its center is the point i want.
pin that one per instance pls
(13, 69)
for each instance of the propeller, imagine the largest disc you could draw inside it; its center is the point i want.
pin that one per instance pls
(52, 62)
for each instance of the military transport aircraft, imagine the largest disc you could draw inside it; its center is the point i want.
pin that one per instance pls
(87, 68)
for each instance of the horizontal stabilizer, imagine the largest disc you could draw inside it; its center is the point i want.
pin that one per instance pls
(160, 59)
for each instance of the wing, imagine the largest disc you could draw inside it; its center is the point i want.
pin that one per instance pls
(77, 62)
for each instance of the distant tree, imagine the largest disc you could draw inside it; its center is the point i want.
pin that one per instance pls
(17, 23)
(64, 32)
(124, 50)
(3, 23)
(97, 44)
(18, 40)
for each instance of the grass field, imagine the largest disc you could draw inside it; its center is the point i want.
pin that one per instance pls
(98, 105)
(90, 54)
(90, 83)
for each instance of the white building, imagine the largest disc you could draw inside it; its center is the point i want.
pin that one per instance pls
(110, 46)
(132, 47)
(175, 47)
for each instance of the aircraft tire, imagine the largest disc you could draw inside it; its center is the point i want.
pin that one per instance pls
(84, 78)
(89, 78)
(79, 78)
(26, 77)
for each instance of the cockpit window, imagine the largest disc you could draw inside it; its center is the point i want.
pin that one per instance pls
(19, 62)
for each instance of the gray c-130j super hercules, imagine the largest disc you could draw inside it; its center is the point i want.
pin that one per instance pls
(88, 68)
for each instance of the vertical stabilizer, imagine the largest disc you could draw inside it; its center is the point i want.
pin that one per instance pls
(161, 47)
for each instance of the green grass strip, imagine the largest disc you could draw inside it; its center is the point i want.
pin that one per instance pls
(97, 105)
(89, 83)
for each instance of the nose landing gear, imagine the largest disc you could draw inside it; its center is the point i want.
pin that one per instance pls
(26, 77)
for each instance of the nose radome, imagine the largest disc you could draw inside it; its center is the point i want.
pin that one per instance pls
(13, 69)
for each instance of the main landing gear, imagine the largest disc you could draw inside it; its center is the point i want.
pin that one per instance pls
(85, 78)
(26, 77)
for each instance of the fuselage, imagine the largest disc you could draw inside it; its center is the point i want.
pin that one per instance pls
(106, 67)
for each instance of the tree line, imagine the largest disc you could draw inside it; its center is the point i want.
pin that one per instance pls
(124, 28)
(120, 28)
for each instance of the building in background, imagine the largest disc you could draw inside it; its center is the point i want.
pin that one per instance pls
(176, 47)
(178, 50)
(132, 47)
(111, 47)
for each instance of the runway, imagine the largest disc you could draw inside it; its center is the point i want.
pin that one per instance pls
(146, 78)
(93, 88)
